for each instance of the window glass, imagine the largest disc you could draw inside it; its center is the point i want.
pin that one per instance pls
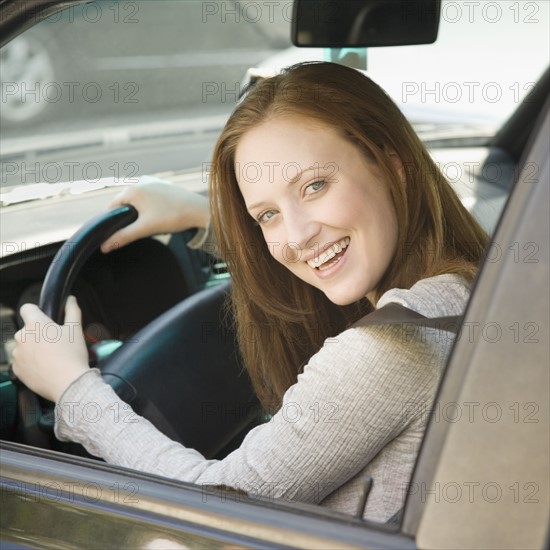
(119, 89)
(123, 88)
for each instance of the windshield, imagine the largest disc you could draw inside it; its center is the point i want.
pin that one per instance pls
(112, 90)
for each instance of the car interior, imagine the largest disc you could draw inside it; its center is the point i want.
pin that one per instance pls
(155, 313)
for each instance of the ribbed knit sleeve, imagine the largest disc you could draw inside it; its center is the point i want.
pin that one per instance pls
(351, 400)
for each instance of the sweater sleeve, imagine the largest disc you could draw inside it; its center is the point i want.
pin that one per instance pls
(345, 407)
(205, 240)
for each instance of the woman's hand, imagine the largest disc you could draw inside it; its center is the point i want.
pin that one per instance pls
(48, 357)
(163, 208)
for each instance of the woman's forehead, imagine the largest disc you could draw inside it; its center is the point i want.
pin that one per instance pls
(289, 137)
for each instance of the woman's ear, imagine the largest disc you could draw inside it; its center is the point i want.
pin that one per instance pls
(398, 165)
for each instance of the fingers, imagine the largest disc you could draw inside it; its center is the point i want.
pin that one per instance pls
(119, 199)
(127, 234)
(18, 336)
(162, 208)
(48, 358)
(119, 239)
(31, 313)
(73, 314)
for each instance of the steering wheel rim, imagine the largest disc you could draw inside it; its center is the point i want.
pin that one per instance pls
(192, 345)
(74, 253)
(58, 283)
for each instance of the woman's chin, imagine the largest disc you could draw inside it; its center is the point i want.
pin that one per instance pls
(344, 297)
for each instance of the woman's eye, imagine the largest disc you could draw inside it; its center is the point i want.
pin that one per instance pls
(266, 216)
(314, 187)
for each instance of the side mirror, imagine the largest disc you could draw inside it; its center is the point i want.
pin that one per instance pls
(364, 23)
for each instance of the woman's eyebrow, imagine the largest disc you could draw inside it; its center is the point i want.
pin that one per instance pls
(289, 181)
(255, 205)
(300, 173)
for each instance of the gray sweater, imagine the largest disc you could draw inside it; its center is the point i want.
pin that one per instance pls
(359, 407)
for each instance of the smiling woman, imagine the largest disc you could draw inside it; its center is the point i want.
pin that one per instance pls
(347, 213)
(335, 215)
(381, 190)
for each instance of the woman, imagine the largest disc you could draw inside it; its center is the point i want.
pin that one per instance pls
(325, 205)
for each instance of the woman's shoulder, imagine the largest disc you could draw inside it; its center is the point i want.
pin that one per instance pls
(386, 348)
(389, 360)
(437, 296)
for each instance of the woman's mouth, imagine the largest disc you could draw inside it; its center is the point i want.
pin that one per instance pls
(330, 256)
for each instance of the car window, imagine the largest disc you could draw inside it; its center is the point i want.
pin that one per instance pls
(120, 89)
(488, 56)
(106, 92)
(87, 88)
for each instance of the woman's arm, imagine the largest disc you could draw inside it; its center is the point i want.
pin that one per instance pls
(359, 392)
(346, 406)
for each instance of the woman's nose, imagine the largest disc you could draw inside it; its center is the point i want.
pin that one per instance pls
(301, 231)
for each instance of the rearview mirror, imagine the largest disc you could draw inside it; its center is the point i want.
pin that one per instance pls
(365, 23)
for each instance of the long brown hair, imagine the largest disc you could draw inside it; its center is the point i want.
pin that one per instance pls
(282, 321)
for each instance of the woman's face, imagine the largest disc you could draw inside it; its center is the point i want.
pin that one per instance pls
(324, 211)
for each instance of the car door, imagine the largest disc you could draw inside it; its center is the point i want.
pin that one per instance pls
(482, 478)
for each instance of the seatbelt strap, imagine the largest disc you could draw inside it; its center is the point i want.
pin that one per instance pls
(396, 314)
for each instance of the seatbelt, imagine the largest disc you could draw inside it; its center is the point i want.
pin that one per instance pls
(396, 314)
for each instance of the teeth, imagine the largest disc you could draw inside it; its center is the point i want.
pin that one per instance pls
(329, 253)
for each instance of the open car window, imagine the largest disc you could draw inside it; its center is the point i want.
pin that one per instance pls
(122, 89)
(98, 82)
(103, 94)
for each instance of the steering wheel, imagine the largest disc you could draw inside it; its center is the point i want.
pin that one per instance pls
(183, 370)
(72, 256)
